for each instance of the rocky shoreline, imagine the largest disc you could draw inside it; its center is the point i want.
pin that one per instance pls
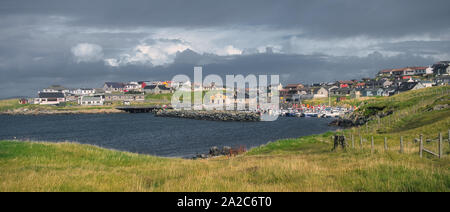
(211, 115)
(362, 116)
(25, 111)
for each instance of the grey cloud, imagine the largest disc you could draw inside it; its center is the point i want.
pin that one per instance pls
(291, 68)
(328, 18)
(418, 47)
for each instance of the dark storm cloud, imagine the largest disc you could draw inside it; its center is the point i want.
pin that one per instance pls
(291, 68)
(328, 18)
(418, 47)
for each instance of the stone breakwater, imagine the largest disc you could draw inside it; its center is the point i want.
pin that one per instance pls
(211, 115)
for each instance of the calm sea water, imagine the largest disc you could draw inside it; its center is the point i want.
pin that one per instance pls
(145, 133)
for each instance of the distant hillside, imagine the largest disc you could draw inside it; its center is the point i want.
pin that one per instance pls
(413, 110)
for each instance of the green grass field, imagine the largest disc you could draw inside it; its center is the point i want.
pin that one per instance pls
(298, 164)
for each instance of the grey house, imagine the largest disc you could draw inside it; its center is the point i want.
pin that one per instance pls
(373, 92)
(91, 100)
(157, 89)
(50, 98)
(113, 87)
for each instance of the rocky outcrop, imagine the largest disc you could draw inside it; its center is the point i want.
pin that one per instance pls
(440, 107)
(216, 152)
(211, 115)
(360, 117)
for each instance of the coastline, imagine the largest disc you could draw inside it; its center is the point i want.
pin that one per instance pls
(384, 148)
(60, 112)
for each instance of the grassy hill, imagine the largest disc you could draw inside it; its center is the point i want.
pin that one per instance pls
(298, 164)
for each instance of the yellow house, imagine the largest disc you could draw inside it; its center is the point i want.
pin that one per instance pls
(219, 98)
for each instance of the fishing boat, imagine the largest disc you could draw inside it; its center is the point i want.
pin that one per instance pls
(309, 114)
(291, 114)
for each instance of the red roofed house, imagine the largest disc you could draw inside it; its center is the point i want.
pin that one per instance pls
(361, 85)
(346, 83)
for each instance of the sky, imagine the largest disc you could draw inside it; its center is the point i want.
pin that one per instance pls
(85, 43)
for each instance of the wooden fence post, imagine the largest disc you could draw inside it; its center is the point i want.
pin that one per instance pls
(333, 141)
(345, 141)
(361, 141)
(421, 145)
(372, 144)
(385, 143)
(401, 144)
(353, 142)
(440, 145)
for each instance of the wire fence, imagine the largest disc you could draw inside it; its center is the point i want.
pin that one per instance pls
(421, 145)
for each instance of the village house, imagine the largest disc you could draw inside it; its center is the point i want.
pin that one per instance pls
(441, 68)
(321, 92)
(91, 100)
(50, 98)
(429, 70)
(245, 100)
(213, 87)
(56, 89)
(132, 86)
(219, 98)
(143, 83)
(373, 83)
(414, 71)
(110, 87)
(408, 71)
(181, 86)
(294, 86)
(442, 80)
(196, 87)
(284, 95)
(23, 101)
(387, 83)
(340, 91)
(71, 98)
(83, 91)
(99, 91)
(360, 85)
(278, 88)
(385, 73)
(406, 86)
(372, 92)
(427, 84)
(157, 89)
(356, 93)
(124, 97)
(299, 94)
(346, 83)
(392, 72)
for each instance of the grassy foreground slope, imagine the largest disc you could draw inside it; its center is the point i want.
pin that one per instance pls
(301, 164)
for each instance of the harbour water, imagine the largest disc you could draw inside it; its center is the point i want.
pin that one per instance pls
(144, 133)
